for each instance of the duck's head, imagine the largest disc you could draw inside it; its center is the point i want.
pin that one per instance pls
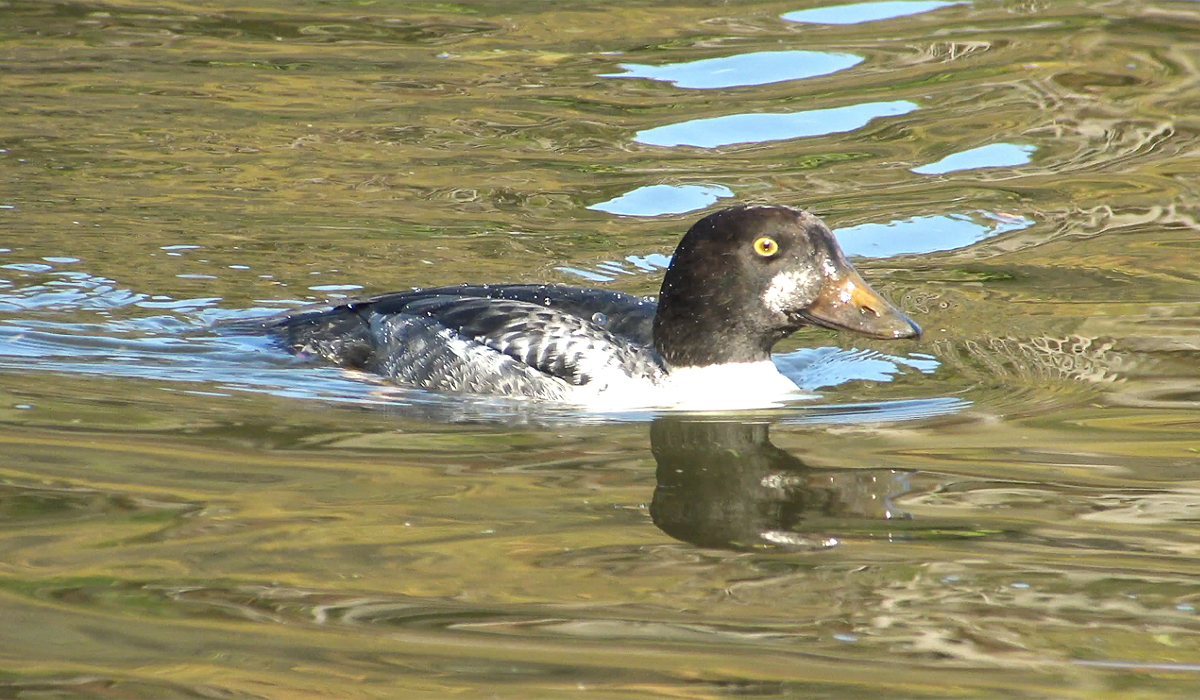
(746, 277)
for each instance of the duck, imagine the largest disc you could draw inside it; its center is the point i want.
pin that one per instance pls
(740, 280)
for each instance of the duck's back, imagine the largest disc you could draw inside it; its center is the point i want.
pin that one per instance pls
(542, 341)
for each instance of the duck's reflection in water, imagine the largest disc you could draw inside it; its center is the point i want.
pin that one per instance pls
(724, 485)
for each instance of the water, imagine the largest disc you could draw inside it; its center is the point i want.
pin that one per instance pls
(1005, 508)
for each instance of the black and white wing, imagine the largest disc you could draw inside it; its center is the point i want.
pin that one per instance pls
(516, 341)
(624, 315)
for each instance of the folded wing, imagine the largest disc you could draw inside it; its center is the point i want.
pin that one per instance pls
(541, 341)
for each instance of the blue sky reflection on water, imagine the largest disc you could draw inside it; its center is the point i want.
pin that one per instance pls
(996, 155)
(858, 13)
(817, 368)
(770, 126)
(660, 200)
(757, 68)
(925, 234)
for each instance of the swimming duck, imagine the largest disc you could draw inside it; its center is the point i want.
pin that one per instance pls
(740, 280)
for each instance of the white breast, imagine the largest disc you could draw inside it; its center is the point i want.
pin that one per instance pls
(725, 387)
(729, 386)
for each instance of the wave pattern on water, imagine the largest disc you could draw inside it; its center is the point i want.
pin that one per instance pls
(1005, 508)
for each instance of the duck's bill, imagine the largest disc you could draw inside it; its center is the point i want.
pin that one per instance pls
(846, 303)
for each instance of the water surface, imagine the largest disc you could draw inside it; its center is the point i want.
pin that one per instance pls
(1005, 508)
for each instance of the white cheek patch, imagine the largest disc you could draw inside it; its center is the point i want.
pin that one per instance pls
(786, 288)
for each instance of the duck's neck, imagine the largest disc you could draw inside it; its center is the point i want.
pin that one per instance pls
(698, 324)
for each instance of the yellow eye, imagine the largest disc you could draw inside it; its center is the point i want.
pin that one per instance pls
(766, 247)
